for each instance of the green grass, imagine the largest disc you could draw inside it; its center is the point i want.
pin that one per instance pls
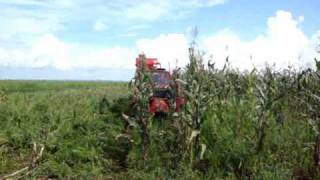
(63, 116)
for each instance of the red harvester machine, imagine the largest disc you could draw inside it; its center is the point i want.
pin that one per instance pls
(164, 89)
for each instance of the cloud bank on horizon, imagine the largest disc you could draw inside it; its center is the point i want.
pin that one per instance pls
(34, 34)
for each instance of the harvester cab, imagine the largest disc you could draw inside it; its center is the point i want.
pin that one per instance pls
(163, 98)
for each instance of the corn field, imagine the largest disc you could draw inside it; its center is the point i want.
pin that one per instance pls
(262, 124)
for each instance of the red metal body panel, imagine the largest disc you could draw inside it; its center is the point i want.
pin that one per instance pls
(151, 63)
(159, 105)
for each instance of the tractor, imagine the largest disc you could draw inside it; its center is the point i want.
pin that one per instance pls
(166, 94)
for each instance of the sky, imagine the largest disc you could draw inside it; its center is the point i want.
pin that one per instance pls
(99, 40)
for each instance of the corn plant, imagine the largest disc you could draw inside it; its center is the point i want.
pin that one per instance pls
(309, 97)
(271, 88)
(142, 90)
(198, 102)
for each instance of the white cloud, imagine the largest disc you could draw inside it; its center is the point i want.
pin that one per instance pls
(171, 48)
(44, 51)
(99, 26)
(209, 3)
(169, 9)
(114, 57)
(38, 17)
(23, 22)
(283, 44)
(50, 51)
(149, 11)
(214, 2)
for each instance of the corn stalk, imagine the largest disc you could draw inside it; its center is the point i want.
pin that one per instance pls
(28, 170)
(309, 98)
(271, 89)
(198, 102)
(142, 90)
